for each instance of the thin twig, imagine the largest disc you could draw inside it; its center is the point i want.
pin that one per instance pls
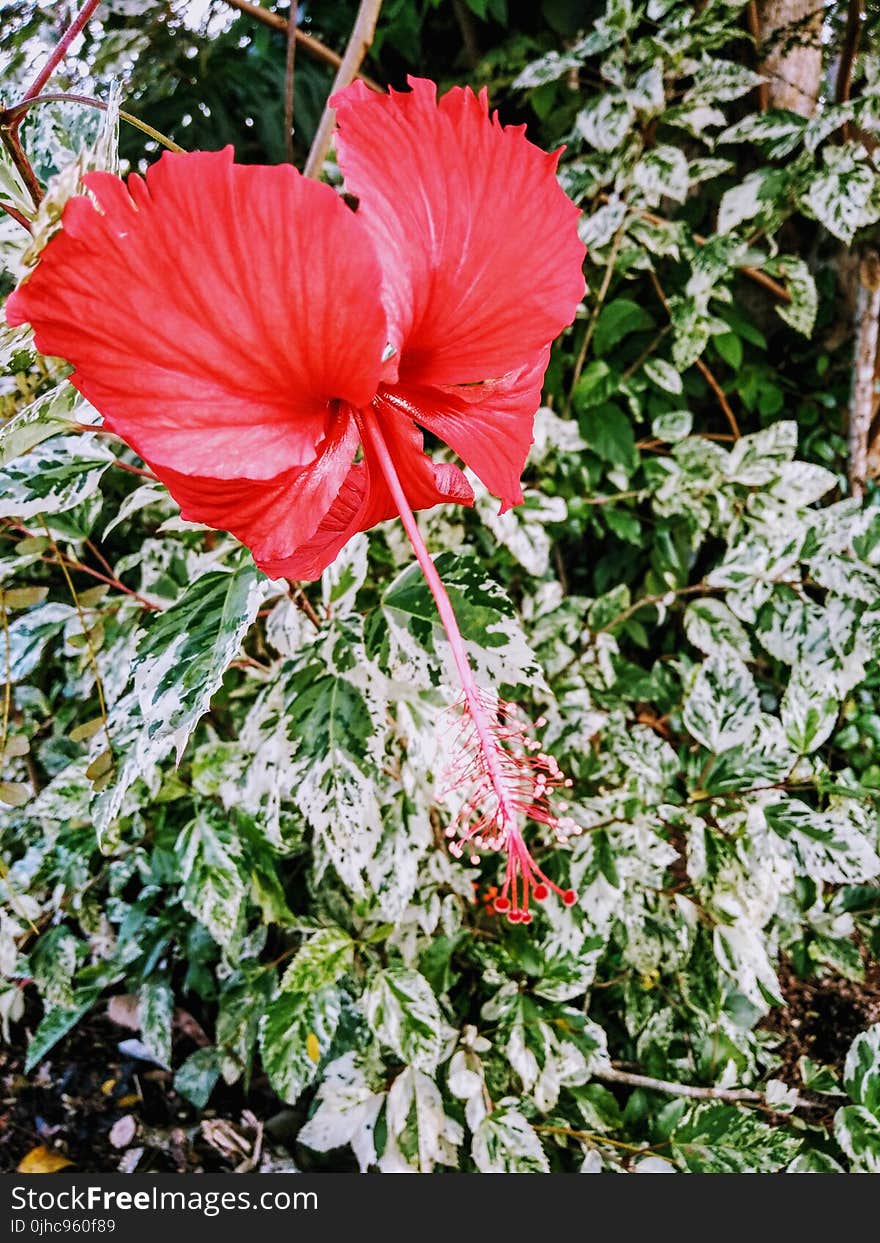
(86, 633)
(16, 216)
(304, 604)
(861, 409)
(308, 43)
(590, 1137)
(134, 470)
(11, 141)
(17, 111)
(71, 564)
(10, 119)
(645, 601)
(755, 31)
(610, 1074)
(647, 352)
(721, 395)
(357, 48)
(288, 82)
(61, 48)
(7, 682)
(597, 307)
(855, 16)
(465, 21)
(701, 366)
(615, 496)
(753, 274)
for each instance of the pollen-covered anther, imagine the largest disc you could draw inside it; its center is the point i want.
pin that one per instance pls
(501, 779)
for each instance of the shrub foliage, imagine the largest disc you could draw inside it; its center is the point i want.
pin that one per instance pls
(219, 791)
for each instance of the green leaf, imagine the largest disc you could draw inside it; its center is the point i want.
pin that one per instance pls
(723, 707)
(834, 845)
(618, 319)
(861, 1072)
(402, 1011)
(505, 1143)
(730, 348)
(712, 627)
(337, 737)
(662, 173)
(664, 375)
(721, 1139)
(743, 201)
(777, 132)
(54, 477)
(857, 1130)
(29, 636)
(322, 960)
(296, 1033)
(717, 79)
(421, 1135)
(814, 1161)
(843, 196)
(209, 859)
(597, 229)
(809, 708)
(197, 1076)
(549, 68)
(52, 966)
(156, 1010)
(344, 577)
(609, 432)
(177, 668)
(48, 415)
(56, 1023)
(597, 383)
(606, 121)
(347, 1108)
(673, 426)
(487, 618)
(181, 659)
(800, 312)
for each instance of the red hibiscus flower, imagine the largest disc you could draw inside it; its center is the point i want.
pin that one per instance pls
(240, 326)
(248, 334)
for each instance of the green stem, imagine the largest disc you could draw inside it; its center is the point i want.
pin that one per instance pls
(59, 97)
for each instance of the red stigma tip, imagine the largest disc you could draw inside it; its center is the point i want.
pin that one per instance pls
(501, 780)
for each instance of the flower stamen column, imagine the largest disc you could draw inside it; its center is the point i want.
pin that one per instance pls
(506, 782)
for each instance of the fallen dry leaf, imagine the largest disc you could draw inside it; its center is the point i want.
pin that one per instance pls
(42, 1160)
(123, 1131)
(124, 1010)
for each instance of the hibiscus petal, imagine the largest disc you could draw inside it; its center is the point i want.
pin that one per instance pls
(364, 498)
(273, 517)
(478, 243)
(488, 425)
(211, 311)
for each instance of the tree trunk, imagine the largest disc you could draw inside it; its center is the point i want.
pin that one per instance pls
(790, 52)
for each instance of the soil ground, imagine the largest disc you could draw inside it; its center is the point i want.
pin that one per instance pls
(103, 1110)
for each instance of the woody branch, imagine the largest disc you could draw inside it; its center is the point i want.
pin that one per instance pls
(861, 410)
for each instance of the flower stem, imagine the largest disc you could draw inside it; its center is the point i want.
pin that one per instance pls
(488, 745)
